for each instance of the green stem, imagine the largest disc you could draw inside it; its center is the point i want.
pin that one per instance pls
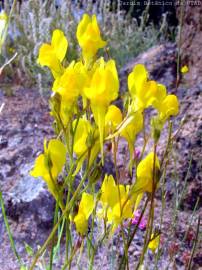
(191, 218)
(179, 42)
(168, 143)
(68, 239)
(194, 246)
(11, 13)
(64, 215)
(121, 208)
(151, 212)
(60, 232)
(53, 240)
(134, 232)
(185, 183)
(91, 233)
(69, 262)
(163, 201)
(8, 230)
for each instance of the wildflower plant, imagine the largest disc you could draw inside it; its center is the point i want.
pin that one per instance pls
(85, 119)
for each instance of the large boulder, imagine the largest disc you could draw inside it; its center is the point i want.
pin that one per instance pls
(191, 40)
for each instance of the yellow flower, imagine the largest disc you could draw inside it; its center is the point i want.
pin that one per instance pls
(83, 129)
(103, 89)
(51, 55)
(115, 202)
(154, 242)
(113, 118)
(3, 27)
(137, 79)
(184, 69)
(147, 93)
(144, 92)
(104, 84)
(86, 207)
(70, 85)
(132, 129)
(65, 111)
(84, 132)
(49, 164)
(89, 38)
(159, 96)
(144, 180)
(168, 107)
(107, 189)
(121, 211)
(60, 109)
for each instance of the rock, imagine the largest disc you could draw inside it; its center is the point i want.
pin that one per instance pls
(188, 144)
(30, 197)
(191, 40)
(15, 140)
(160, 62)
(3, 143)
(26, 152)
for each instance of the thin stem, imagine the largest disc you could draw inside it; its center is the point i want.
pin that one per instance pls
(138, 223)
(60, 232)
(185, 182)
(53, 240)
(134, 232)
(151, 212)
(8, 62)
(92, 229)
(145, 138)
(8, 230)
(80, 253)
(68, 239)
(195, 244)
(168, 143)
(191, 218)
(121, 208)
(179, 42)
(64, 215)
(12, 10)
(69, 262)
(163, 202)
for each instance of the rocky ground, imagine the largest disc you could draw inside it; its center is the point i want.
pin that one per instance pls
(25, 121)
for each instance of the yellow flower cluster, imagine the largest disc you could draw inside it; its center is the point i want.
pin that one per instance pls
(118, 202)
(87, 118)
(116, 207)
(145, 93)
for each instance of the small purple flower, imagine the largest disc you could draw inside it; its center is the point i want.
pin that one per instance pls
(136, 154)
(142, 225)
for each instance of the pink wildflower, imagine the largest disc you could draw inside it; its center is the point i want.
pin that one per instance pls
(142, 225)
(136, 154)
